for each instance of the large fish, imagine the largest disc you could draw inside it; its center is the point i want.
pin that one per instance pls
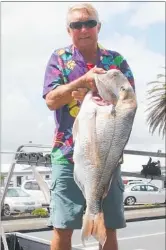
(100, 132)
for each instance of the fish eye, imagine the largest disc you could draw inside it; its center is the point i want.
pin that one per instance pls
(122, 88)
(115, 74)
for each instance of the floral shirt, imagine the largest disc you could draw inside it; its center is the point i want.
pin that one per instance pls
(65, 65)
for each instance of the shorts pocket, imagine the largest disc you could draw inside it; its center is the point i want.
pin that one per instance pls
(53, 184)
(52, 196)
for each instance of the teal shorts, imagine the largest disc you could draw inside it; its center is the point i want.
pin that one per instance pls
(67, 202)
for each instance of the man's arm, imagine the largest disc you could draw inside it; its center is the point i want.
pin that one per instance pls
(62, 95)
(58, 94)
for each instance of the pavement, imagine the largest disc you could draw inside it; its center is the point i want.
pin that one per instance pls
(144, 235)
(34, 224)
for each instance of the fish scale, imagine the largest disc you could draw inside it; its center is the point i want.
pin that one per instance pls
(100, 134)
(120, 133)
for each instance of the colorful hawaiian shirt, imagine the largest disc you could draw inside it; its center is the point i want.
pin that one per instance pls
(65, 65)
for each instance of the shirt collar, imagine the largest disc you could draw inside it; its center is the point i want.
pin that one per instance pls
(103, 52)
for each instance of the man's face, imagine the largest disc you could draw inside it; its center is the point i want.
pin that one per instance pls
(84, 36)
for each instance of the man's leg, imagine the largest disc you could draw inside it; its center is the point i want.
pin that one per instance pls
(61, 239)
(113, 209)
(111, 242)
(66, 207)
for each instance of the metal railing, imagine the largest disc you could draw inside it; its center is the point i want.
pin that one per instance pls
(35, 159)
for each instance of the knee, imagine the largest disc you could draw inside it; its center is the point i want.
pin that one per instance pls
(62, 235)
(111, 235)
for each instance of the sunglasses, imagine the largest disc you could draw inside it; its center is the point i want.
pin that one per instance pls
(78, 25)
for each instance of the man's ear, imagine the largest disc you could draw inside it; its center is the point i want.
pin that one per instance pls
(99, 27)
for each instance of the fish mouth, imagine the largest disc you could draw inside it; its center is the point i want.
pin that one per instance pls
(99, 100)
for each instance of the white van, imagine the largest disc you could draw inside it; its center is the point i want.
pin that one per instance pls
(32, 188)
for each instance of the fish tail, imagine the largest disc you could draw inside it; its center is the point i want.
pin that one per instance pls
(88, 223)
(94, 225)
(99, 230)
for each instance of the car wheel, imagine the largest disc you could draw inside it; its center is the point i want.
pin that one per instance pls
(6, 210)
(129, 201)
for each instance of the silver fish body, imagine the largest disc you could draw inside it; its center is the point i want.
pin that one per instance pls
(101, 134)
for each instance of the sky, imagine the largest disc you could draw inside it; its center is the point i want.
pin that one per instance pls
(31, 31)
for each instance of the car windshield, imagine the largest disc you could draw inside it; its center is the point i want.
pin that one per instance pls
(13, 192)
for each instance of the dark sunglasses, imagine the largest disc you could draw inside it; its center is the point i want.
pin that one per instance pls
(78, 25)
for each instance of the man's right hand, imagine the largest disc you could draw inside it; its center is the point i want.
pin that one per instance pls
(89, 80)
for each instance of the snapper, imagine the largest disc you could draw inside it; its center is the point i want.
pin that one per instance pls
(100, 132)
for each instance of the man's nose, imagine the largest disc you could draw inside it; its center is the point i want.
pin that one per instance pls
(84, 28)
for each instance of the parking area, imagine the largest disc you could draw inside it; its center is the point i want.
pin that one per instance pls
(142, 235)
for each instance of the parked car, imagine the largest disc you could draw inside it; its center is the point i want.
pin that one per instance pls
(18, 201)
(32, 188)
(143, 194)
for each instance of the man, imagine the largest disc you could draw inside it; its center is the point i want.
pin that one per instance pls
(69, 75)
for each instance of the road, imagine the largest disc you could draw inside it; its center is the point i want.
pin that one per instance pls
(38, 223)
(142, 235)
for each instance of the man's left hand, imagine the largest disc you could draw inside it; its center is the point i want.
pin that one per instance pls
(79, 94)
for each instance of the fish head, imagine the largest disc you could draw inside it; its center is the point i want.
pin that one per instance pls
(113, 85)
(127, 98)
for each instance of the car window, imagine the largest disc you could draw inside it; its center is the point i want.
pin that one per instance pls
(35, 186)
(31, 185)
(135, 188)
(139, 188)
(12, 193)
(143, 188)
(28, 185)
(21, 193)
(152, 188)
(16, 193)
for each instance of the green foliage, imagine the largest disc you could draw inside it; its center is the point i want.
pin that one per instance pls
(156, 118)
(40, 212)
(152, 205)
(2, 177)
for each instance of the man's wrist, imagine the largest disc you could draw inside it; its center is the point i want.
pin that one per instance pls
(76, 84)
(83, 83)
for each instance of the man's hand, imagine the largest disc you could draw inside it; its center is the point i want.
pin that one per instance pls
(88, 78)
(79, 94)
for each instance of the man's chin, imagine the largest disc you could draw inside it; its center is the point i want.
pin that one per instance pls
(86, 43)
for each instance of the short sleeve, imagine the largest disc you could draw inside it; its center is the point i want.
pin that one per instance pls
(53, 74)
(124, 68)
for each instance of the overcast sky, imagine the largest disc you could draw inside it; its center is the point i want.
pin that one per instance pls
(31, 31)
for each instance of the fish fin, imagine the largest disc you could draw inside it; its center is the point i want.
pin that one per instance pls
(75, 128)
(86, 232)
(94, 225)
(79, 183)
(99, 230)
(42, 184)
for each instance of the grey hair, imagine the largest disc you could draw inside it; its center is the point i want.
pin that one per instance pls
(80, 6)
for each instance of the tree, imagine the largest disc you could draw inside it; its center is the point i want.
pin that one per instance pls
(2, 177)
(157, 105)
